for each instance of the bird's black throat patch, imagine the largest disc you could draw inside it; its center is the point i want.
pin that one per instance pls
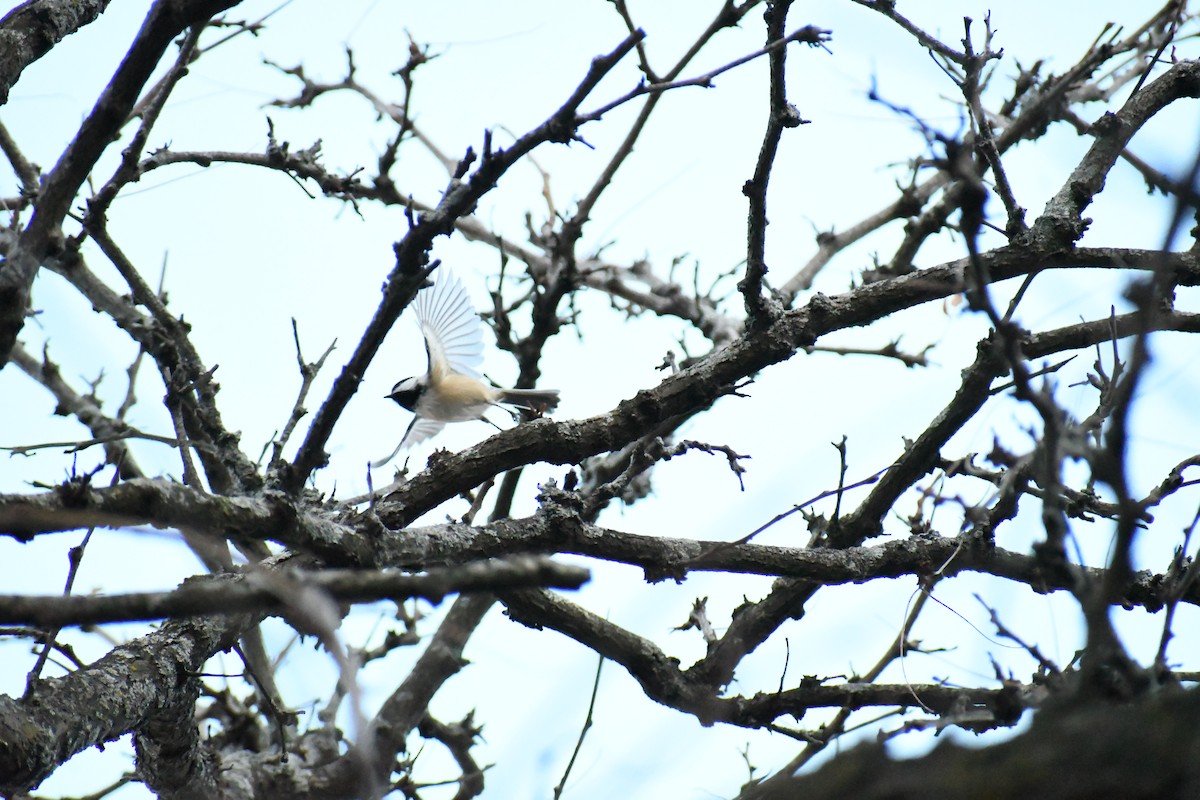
(406, 397)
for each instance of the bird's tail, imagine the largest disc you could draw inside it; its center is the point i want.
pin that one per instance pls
(538, 400)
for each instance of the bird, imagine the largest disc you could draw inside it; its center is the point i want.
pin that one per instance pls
(452, 389)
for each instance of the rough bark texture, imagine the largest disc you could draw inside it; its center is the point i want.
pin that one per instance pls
(1145, 750)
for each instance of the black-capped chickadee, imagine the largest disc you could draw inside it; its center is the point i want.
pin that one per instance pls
(452, 389)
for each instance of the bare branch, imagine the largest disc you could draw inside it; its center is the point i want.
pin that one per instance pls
(237, 594)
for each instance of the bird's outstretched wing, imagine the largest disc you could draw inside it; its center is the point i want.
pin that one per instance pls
(453, 331)
(418, 431)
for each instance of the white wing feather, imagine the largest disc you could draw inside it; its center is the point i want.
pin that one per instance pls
(418, 431)
(453, 331)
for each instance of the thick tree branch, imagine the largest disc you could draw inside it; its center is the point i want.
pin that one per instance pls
(66, 715)
(251, 591)
(1063, 218)
(141, 502)
(32, 29)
